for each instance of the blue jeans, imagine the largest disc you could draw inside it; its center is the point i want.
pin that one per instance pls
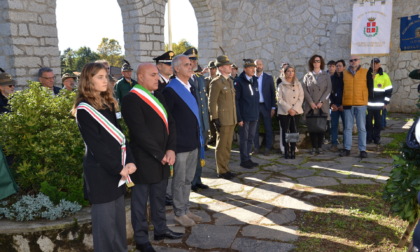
(246, 138)
(335, 117)
(265, 115)
(358, 113)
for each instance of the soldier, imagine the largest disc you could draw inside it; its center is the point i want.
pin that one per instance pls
(213, 73)
(124, 85)
(163, 63)
(69, 81)
(198, 82)
(223, 115)
(7, 87)
(234, 73)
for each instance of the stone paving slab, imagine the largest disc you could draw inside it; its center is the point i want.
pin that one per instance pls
(252, 245)
(210, 237)
(275, 232)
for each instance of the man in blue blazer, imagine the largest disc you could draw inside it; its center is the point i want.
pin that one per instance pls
(267, 106)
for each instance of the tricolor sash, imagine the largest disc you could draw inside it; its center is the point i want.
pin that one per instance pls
(152, 101)
(112, 130)
(191, 102)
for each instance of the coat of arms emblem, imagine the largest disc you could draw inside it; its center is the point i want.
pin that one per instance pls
(371, 29)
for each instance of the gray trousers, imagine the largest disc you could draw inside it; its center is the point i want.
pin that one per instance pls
(184, 171)
(108, 226)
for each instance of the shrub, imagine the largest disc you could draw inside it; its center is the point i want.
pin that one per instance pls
(46, 144)
(37, 207)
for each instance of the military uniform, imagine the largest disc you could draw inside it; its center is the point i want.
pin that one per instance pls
(123, 86)
(222, 106)
(166, 59)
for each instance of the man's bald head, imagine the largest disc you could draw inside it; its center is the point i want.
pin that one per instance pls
(147, 76)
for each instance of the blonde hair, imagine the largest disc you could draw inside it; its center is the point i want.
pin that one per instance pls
(86, 91)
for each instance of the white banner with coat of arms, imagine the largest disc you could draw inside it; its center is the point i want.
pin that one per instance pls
(371, 28)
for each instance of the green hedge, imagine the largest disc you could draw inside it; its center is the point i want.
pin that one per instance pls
(46, 144)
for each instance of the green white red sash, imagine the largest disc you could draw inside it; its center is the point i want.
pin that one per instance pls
(152, 101)
(112, 130)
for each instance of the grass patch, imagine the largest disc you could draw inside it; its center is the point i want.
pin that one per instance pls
(355, 218)
(395, 145)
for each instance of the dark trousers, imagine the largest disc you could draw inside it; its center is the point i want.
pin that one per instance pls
(155, 193)
(288, 125)
(108, 226)
(335, 116)
(265, 117)
(373, 129)
(246, 137)
(317, 139)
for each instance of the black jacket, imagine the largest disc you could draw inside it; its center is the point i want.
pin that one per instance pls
(247, 98)
(102, 160)
(337, 89)
(187, 127)
(149, 138)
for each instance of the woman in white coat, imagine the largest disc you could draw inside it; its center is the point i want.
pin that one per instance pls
(290, 97)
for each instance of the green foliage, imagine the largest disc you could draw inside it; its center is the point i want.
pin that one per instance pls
(179, 48)
(44, 139)
(110, 50)
(37, 207)
(73, 61)
(404, 184)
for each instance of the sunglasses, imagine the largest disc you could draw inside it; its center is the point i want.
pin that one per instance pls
(317, 61)
(11, 86)
(353, 60)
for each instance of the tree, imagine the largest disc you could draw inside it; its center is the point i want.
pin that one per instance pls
(179, 48)
(84, 55)
(110, 50)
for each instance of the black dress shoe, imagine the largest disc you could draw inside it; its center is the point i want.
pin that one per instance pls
(202, 186)
(227, 175)
(247, 164)
(145, 247)
(253, 163)
(169, 234)
(194, 188)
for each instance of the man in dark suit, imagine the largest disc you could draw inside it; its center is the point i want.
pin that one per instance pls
(47, 78)
(267, 106)
(182, 105)
(152, 133)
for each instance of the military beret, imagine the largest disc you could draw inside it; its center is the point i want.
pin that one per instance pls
(68, 75)
(211, 64)
(222, 60)
(249, 63)
(165, 58)
(192, 53)
(6, 79)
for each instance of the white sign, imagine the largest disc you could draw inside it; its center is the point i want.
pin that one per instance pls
(371, 28)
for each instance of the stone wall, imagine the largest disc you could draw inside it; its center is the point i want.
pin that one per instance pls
(28, 36)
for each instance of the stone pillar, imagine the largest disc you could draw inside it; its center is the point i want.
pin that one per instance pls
(143, 23)
(29, 38)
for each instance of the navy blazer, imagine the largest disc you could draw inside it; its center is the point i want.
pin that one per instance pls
(268, 91)
(247, 98)
(187, 127)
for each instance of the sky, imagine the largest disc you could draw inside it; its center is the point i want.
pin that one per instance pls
(82, 23)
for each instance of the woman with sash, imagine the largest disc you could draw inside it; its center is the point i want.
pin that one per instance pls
(107, 162)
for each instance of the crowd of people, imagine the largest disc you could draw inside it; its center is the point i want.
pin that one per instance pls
(173, 113)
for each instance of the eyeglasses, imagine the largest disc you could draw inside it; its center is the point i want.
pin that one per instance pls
(48, 78)
(11, 85)
(353, 60)
(317, 61)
